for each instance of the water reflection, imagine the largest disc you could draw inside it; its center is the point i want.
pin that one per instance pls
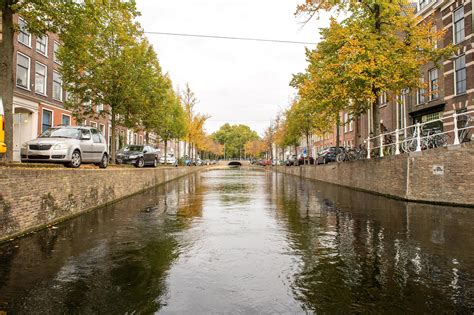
(115, 259)
(365, 252)
(241, 241)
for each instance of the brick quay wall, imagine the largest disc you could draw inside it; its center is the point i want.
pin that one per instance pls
(442, 175)
(31, 199)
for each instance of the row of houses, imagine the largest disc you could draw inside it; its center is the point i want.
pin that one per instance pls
(39, 96)
(449, 85)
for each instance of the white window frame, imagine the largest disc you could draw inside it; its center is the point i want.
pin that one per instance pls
(93, 124)
(45, 53)
(70, 119)
(25, 32)
(456, 76)
(434, 91)
(462, 22)
(28, 76)
(42, 116)
(60, 99)
(55, 58)
(44, 92)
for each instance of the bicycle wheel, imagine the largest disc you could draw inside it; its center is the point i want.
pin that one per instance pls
(340, 157)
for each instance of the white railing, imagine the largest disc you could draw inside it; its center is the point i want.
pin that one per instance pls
(414, 138)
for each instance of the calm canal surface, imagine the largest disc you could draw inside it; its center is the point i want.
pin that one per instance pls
(236, 241)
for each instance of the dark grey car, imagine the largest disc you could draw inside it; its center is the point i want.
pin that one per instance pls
(138, 155)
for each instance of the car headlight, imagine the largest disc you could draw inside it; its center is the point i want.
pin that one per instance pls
(133, 156)
(60, 146)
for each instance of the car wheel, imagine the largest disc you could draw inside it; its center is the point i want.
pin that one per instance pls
(104, 162)
(76, 159)
(155, 163)
(324, 161)
(140, 162)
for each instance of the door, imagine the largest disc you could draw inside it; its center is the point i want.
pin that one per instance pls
(86, 146)
(98, 147)
(21, 132)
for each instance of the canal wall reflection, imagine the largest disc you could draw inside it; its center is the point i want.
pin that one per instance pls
(359, 249)
(113, 259)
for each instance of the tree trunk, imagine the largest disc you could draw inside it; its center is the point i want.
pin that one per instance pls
(113, 138)
(178, 151)
(6, 73)
(376, 120)
(338, 133)
(308, 149)
(166, 152)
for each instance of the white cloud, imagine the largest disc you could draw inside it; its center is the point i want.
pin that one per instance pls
(236, 81)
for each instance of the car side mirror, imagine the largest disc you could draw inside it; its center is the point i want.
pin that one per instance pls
(145, 151)
(86, 137)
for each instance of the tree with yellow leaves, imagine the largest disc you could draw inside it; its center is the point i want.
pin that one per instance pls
(379, 48)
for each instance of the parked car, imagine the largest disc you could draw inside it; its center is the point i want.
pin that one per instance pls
(328, 155)
(3, 146)
(138, 155)
(198, 162)
(302, 160)
(291, 160)
(170, 159)
(70, 146)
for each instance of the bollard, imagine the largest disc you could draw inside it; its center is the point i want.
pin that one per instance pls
(456, 130)
(418, 137)
(381, 145)
(397, 142)
(368, 147)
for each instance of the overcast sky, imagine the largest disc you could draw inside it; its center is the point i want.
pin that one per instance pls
(235, 81)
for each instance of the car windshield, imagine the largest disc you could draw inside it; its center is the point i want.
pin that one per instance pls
(133, 148)
(68, 133)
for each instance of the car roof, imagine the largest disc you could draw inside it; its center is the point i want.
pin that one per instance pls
(74, 127)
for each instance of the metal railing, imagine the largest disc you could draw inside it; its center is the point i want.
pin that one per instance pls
(417, 137)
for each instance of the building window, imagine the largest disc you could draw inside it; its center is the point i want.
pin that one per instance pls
(420, 94)
(42, 45)
(46, 120)
(348, 123)
(383, 99)
(66, 120)
(99, 108)
(434, 86)
(23, 71)
(40, 78)
(24, 36)
(424, 3)
(93, 124)
(102, 129)
(55, 52)
(460, 74)
(458, 28)
(57, 86)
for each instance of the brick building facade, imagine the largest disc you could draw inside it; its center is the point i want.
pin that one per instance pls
(449, 85)
(39, 97)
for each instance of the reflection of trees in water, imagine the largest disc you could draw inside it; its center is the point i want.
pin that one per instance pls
(114, 259)
(360, 251)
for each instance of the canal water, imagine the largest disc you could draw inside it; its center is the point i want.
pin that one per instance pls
(239, 241)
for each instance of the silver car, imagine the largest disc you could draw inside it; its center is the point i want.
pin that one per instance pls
(70, 146)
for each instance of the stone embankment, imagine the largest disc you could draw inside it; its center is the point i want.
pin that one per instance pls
(31, 199)
(442, 176)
